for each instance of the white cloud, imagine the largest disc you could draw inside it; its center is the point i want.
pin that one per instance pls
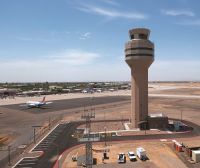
(78, 65)
(85, 36)
(111, 13)
(175, 70)
(178, 12)
(75, 57)
(70, 65)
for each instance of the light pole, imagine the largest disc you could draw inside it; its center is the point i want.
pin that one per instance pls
(9, 159)
(105, 128)
(34, 131)
(181, 114)
(105, 136)
(181, 109)
(49, 122)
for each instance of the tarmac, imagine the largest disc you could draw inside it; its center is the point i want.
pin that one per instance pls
(66, 104)
(17, 121)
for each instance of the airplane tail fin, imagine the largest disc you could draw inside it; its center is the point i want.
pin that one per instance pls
(43, 100)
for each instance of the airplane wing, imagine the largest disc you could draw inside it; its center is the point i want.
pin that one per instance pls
(23, 105)
(48, 102)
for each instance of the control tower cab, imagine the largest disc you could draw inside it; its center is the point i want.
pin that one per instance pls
(139, 55)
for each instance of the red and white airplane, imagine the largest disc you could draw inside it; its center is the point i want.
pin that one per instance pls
(37, 104)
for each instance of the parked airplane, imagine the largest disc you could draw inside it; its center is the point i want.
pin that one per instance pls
(37, 104)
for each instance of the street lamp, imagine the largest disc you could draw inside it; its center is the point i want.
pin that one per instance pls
(181, 108)
(105, 136)
(181, 114)
(34, 131)
(49, 123)
(9, 159)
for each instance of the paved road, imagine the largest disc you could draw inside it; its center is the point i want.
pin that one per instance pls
(19, 120)
(66, 104)
(55, 146)
(64, 140)
(47, 141)
(27, 162)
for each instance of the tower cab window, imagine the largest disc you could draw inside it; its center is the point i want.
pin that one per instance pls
(132, 37)
(142, 36)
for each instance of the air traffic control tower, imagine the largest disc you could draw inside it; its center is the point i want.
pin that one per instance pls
(139, 55)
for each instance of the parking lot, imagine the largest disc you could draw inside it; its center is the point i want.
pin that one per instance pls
(43, 145)
(158, 153)
(48, 141)
(128, 165)
(27, 162)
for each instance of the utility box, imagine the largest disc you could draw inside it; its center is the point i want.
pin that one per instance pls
(141, 153)
(196, 155)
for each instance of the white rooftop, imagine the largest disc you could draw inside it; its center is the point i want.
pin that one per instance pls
(196, 151)
(140, 149)
(157, 115)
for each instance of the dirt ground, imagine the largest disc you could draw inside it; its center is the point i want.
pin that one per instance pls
(181, 91)
(108, 126)
(172, 107)
(158, 153)
(120, 128)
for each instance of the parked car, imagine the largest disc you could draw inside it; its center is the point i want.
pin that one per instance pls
(121, 158)
(132, 156)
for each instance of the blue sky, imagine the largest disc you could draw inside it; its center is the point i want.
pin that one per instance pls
(83, 40)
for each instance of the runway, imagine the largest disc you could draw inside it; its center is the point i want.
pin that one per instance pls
(66, 104)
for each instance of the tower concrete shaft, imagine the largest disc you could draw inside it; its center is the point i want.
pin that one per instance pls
(139, 55)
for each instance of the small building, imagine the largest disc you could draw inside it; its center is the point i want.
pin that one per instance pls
(178, 146)
(8, 92)
(191, 146)
(76, 90)
(196, 155)
(66, 90)
(157, 121)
